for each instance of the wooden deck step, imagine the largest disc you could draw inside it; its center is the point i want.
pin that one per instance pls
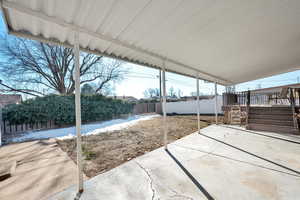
(271, 116)
(271, 107)
(287, 112)
(273, 119)
(287, 122)
(272, 128)
(270, 110)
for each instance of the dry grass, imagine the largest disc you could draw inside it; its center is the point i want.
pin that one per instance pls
(108, 150)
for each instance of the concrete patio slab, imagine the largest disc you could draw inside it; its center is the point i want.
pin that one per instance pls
(42, 169)
(220, 163)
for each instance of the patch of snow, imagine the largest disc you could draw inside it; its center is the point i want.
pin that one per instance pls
(86, 129)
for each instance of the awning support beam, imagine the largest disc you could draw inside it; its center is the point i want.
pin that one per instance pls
(78, 111)
(164, 106)
(198, 104)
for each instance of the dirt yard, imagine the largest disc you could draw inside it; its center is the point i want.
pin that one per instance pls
(108, 150)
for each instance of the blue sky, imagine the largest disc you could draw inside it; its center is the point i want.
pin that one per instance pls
(140, 78)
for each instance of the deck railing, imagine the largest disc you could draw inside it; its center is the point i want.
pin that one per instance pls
(260, 99)
(287, 97)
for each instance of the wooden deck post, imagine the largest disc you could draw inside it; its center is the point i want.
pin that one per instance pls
(247, 106)
(292, 99)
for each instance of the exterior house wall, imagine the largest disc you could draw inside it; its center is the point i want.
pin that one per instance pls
(6, 99)
(207, 106)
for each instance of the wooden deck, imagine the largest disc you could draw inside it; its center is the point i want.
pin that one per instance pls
(274, 119)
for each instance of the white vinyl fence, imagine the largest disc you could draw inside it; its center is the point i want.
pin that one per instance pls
(207, 106)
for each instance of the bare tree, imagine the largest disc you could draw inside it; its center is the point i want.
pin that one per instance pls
(179, 93)
(172, 92)
(87, 89)
(151, 92)
(36, 68)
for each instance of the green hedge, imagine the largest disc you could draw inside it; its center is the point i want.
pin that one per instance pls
(61, 109)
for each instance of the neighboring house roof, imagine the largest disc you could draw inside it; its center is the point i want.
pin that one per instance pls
(271, 90)
(224, 41)
(157, 98)
(188, 98)
(125, 98)
(6, 99)
(184, 98)
(151, 98)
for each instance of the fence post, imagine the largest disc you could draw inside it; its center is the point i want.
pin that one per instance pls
(4, 126)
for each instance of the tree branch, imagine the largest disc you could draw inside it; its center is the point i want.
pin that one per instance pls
(25, 91)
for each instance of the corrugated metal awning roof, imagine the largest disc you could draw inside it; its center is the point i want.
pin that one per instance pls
(224, 41)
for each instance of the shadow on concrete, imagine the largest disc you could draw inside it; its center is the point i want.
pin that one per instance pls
(11, 153)
(252, 154)
(256, 133)
(237, 160)
(199, 186)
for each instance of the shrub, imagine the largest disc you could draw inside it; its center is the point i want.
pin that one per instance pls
(61, 109)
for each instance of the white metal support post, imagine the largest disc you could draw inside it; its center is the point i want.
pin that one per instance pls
(216, 103)
(78, 111)
(198, 104)
(164, 107)
(160, 92)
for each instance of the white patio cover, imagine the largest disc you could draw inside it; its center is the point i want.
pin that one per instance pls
(229, 42)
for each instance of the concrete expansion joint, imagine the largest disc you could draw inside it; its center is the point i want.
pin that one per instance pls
(149, 178)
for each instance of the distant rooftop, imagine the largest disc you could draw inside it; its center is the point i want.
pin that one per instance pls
(124, 98)
(275, 89)
(6, 99)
